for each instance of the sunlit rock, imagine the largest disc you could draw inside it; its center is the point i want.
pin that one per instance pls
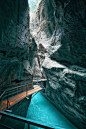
(59, 27)
(37, 71)
(66, 89)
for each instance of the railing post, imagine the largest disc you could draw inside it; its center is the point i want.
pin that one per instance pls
(26, 90)
(28, 126)
(32, 84)
(30, 98)
(17, 89)
(37, 81)
(7, 100)
(8, 103)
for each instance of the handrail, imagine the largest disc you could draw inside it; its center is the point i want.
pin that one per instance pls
(8, 89)
(29, 121)
(2, 94)
(12, 91)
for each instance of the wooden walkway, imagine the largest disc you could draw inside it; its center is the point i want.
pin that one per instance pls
(15, 99)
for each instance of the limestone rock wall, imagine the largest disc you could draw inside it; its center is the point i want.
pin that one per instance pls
(17, 46)
(66, 89)
(59, 29)
(71, 19)
(37, 71)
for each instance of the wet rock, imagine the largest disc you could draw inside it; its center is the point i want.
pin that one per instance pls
(37, 71)
(17, 46)
(66, 89)
(59, 29)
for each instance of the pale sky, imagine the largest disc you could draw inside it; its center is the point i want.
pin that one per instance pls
(33, 4)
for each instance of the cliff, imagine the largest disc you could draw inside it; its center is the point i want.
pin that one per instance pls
(59, 29)
(17, 46)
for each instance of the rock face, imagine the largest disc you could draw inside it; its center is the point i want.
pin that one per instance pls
(59, 29)
(17, 47)
(66, 88)
(37, 72)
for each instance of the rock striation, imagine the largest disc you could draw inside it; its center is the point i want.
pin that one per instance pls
(66, 89)
(59, 29)
(17, 46)
(37, 71)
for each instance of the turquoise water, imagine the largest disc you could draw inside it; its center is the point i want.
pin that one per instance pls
(41, 109)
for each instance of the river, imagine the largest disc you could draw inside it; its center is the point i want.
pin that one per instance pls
(41, 109)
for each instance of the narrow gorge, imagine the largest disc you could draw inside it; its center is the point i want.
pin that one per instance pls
(50, 42)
